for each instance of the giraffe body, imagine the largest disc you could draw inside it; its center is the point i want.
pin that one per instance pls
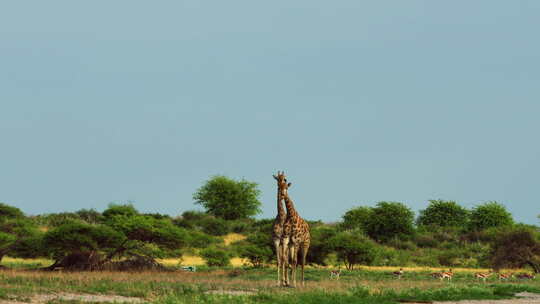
(295, 241)
(278, 226)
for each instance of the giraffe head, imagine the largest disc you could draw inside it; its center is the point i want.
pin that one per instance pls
(282, 183)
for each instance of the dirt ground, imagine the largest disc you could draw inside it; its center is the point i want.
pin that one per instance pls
(44, 298)
(524, 298)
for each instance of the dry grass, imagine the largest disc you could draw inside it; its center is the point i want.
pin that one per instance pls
(10, 260)
(218, 279)
(423, 269)
(233, 237)
(189, 260)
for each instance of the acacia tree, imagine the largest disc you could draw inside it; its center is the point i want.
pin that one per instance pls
(443, 214)
(143, 234)
(353, 248)
(229, 199)
(79, 245)
(517, 248)
(123, 233)
(15, 229)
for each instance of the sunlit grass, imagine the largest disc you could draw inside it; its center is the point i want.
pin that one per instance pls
(363, 285)
(233, 237)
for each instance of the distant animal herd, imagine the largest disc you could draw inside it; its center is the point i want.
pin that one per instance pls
(448, 275)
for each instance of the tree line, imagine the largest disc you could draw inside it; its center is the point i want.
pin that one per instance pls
(443, 234)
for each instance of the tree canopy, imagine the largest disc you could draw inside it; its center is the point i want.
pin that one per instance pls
(357, 218)
(229, 199)
(488, 215)
(443, 214)
(517, 248)
(353, 248)
(15, 229)
(390, 220)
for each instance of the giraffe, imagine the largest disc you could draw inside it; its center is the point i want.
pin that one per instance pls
(296, 240)
(277, 228)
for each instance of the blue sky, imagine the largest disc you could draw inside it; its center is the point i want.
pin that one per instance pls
(359, 102)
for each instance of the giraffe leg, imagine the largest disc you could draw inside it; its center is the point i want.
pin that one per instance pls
(304, 251)
(293, 258)
(285, 261)
(278, 258)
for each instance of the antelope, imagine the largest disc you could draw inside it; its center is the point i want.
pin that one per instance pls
(449, 274)
(443, 275)
(335, 274)
(505, 276)
(398, 273)
(484, 276)
(526, 276)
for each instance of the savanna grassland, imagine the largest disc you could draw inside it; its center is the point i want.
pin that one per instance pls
(248, 285)
(123, 255)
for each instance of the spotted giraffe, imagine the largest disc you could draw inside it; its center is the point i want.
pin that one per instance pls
(277, 228)
(296, 240)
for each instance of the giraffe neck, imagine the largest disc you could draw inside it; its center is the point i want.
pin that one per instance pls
(280, 211)
(291, 212)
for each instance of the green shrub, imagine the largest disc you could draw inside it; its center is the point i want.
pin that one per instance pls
(214, 226)
(256, 255)
(229, 199)
(216, 257)
(389, 220)
(356, 218)
(443, 213)
(426, 241)
(353, 248)
(402, 245)
(488, 215)
(424, 257)
(199, 239)
(240, 226)
(320, 248)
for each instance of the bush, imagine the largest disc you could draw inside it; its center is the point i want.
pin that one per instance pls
(256, 255)
(216, 257)
(390, 220)
(16, 229)
(320, 248)
(443, 214)
(401, 244)
(353, 248)
(192, 215)
(199, 239)
(388, 256)
(229, 199)
(9, 212)
(517, 248)
(79, 237)
(242, 226)
(89, 215)
(426, 241)
(57, 219)
(123, 210)
(357, 218)
(214, 226)
(489, 215)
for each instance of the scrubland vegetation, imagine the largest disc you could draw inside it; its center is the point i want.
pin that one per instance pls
(123, 251)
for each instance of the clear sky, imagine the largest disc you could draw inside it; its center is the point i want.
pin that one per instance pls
(359, 102)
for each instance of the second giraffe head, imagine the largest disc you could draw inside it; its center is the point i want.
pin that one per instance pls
(282, 183)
